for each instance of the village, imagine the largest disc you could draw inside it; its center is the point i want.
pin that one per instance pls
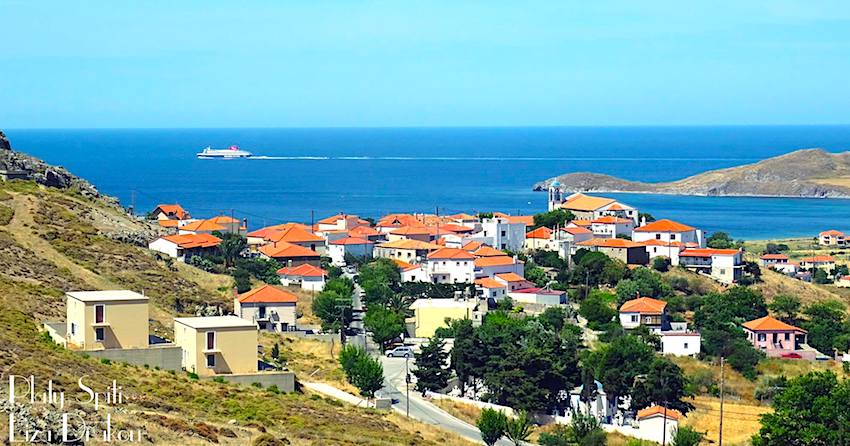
(585, 303)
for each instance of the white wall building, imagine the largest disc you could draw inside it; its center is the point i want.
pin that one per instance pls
(490, 266)
(357, 247)
(669, 231)
(610, 227)
(450, 265)
(680, 343)
(270, 308)
(501, 233)
(308, 277)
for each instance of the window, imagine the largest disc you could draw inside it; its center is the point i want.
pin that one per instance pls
(73, 328)
(99, 314)
(210, 361)
(686, 345)
(262, 311)
(634, 318)
(672, 236)
(762, 337)
(503, 233)
(98, 334)
(210, 340)
(657, 236)
(457, 263)
(787, 336)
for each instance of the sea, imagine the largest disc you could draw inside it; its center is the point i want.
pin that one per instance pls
(301, 174)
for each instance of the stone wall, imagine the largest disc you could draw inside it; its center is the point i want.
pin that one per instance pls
(285, 381)
(165, 356)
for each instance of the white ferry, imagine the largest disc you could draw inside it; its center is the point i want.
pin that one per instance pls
(230, 152)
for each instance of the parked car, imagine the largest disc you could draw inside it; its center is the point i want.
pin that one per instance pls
(792, 356)
(400, 352)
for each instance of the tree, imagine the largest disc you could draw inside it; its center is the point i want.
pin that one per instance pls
(553, 318)
(385, 325)
(492, 425)
(518, 429)
(348, 359)
(231, 246)
(663, 385)
(686, 436)
(661, 264)
(536, 274)
(775, 248)
(276, 351)
(645, 215)
(617, 364)
(333, 309)
(557, 217)
(368, 376)
(241, 280)
(812, 410)
(825, 325)
(786, 307)
(720, 240)
(431, 371)
(820, 277)
(465, 359)
(596, 310)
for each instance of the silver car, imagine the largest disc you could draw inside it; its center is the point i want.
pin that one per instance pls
(400, 352)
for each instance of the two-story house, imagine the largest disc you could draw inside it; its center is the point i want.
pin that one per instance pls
(776, 338)
(722, 265)
(217, 345)
(450, 265)
(115, 319)
(268, 307)
(646, 311)
(832, 238)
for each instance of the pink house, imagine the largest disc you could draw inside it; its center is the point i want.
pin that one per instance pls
(776, 338)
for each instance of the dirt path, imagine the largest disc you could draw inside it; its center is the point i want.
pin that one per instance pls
(21, 228)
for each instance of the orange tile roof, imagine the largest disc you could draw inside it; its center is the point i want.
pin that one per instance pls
(463, 216)
(352, 241)
(769, 323)
(609, 243)
(454, 228)
(451, 253)
(489, 282)
(581, 222)
(294, 234)
(818, 259)
(268, 230)
(363, 231)
(168, 223)
(404, 266)
(527, 219)
(643, 305)
(707, 252)
(494, 261)
(488, 251)
(334, 218)
(223, 220)
(656, 242)
(610, 219)
(664, 225)
(173, 209)
(202, 225)
(267, 294)
(539, 233)
(774, 257)
(409, 244)
(832, 232)
(186, 241)
(652, 411)
(616, 207)
(304, 269)
(398, 220)
(511, 277)
(472, 246)
(581, 202)
(577, 230)
(411, 230)
(500, 215)
(287, 250)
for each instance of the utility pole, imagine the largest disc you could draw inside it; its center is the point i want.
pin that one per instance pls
(720, 435)
(312, 218)
(407, 384)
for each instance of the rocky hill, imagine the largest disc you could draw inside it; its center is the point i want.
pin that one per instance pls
(808, 173)
(56, 238)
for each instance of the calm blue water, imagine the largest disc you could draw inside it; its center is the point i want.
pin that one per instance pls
(370, 172)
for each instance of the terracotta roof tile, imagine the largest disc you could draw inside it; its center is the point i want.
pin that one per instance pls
(539, 233)
(451, 253)
(267, 294)
(489, 282)
(653, 411)
(494, 261)
(287, 250)
(305, 269)
(643, 305)
(173, 210)
(186, 241)
(581, 202)
(664, 226)
(352, 241)
(769, 323)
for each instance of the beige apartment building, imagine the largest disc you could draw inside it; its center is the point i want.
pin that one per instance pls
(115, 319)
(217, 345)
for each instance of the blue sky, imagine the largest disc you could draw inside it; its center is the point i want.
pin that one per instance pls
(395, 63)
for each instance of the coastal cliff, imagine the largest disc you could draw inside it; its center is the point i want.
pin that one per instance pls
(807, 173)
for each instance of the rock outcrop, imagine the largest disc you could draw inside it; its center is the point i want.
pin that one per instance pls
(808, 173)
(20, 165)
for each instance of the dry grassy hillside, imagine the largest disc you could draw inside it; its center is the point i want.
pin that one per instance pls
(55, 241)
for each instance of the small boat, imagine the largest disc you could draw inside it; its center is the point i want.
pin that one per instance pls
(230, 152)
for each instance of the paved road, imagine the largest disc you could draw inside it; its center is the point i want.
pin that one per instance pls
(357, 305)
(420, 409)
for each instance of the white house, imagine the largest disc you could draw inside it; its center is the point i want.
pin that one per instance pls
(586, 207)
(450, 265)
(410, 272)
(270, 308)
(309, 277)
(646, 311)
(490, 266)
(339, 222)
(502, 233)
(680, 343)
(599, 407)
(357, 247)
(539, 296)
(182, 247)
(652, 423)
(489, 288)
(609, 226)
(513, 281)
(722, 265)
(669, 231)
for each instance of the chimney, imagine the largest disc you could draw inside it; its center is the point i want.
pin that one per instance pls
(643, 221)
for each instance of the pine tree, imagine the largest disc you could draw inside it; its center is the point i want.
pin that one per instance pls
(431, 371)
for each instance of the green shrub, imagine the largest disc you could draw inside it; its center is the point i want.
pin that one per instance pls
(192, 375)
(105, 361)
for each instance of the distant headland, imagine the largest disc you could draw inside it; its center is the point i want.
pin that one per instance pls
(807, 173)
